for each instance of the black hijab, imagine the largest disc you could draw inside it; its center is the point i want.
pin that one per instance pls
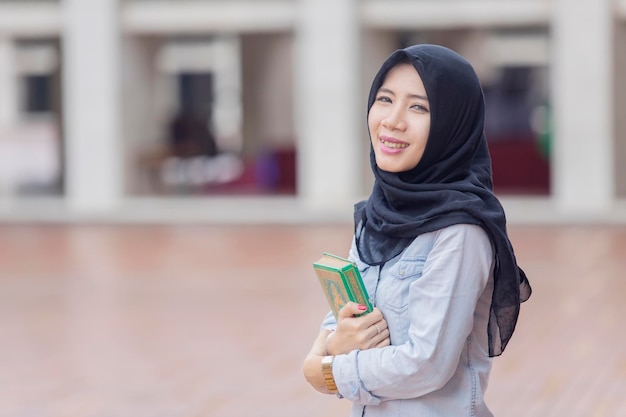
(450, 185)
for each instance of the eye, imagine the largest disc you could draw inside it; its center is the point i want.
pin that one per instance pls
(420, 108)
(383, 99)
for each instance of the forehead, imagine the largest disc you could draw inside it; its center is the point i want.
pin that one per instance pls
(404, 77)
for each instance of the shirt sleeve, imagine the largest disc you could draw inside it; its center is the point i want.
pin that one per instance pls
(329, 322)
(441, 313)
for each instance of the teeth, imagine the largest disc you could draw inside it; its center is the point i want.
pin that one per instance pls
(394, 144)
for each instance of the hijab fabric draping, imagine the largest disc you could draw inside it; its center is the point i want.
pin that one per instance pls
(450, 185)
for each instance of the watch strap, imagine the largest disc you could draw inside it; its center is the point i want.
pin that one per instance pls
(327, 371)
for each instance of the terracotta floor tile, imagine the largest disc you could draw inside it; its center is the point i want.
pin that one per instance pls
(190, 321)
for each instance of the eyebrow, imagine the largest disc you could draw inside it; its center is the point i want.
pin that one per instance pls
(388, 91)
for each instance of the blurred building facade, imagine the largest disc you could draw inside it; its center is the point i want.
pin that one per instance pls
(254, 110)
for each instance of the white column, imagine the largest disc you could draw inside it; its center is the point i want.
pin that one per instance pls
(620, 108)
(91, 51)
(9, 99)
(582, 163)
(329, 104)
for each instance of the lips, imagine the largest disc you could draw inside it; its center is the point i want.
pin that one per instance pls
(392, 143)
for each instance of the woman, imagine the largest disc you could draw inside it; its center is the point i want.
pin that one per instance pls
(432, 248)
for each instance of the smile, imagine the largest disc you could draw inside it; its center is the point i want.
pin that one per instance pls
(394, 145)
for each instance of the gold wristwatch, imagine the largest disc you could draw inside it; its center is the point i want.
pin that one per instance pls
(327, 371)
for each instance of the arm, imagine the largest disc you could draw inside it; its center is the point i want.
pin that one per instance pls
(362, 332)
(441, 315)
(312, 367)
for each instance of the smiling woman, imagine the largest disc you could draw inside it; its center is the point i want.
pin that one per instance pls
(399, 120)
(432, 248)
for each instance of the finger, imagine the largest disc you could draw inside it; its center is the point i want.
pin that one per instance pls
(376, 315)
(382, 324)
(385, 342)
(380, 336)
(377, 330)
(351, 309)
(382, 339)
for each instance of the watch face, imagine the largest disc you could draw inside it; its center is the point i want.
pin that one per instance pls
(327, 360)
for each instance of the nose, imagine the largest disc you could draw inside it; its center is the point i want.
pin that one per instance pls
(394, 119)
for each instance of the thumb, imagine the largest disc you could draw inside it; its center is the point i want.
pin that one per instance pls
(352, 309)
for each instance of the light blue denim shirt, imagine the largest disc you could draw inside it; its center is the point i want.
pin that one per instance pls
(435, 297)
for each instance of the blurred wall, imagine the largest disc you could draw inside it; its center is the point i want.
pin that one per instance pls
(116, 99)
(268, 100)
(620, 108)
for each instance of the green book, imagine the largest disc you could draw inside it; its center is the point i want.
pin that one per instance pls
(341, 282)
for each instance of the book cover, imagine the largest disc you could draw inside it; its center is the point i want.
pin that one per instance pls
(341, 282)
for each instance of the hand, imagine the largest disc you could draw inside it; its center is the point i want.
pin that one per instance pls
(358, 332)
(312, 364)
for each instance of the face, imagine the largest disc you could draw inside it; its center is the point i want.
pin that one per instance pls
(399, 120)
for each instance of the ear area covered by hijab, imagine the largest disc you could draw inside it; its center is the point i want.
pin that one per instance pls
(451, 184)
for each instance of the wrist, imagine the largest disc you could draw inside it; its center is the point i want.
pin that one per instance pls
(326, 351)
(327, 372)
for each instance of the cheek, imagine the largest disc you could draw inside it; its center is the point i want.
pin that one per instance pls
(371, 125)
(424, 136)
(422, 131)
(374, 118)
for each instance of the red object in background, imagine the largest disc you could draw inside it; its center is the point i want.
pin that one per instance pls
(276, 171)
(519, 167)
(269, 172)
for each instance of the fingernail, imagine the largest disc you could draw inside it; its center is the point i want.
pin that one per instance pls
(362, 307)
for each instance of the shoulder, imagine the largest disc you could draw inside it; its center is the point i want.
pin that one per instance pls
(467, 237)
(468, 240)
(463, 232)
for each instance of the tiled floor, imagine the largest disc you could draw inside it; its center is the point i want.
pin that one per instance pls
(191, 321)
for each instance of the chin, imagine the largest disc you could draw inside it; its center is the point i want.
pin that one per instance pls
(389, 167)
(395, 165)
